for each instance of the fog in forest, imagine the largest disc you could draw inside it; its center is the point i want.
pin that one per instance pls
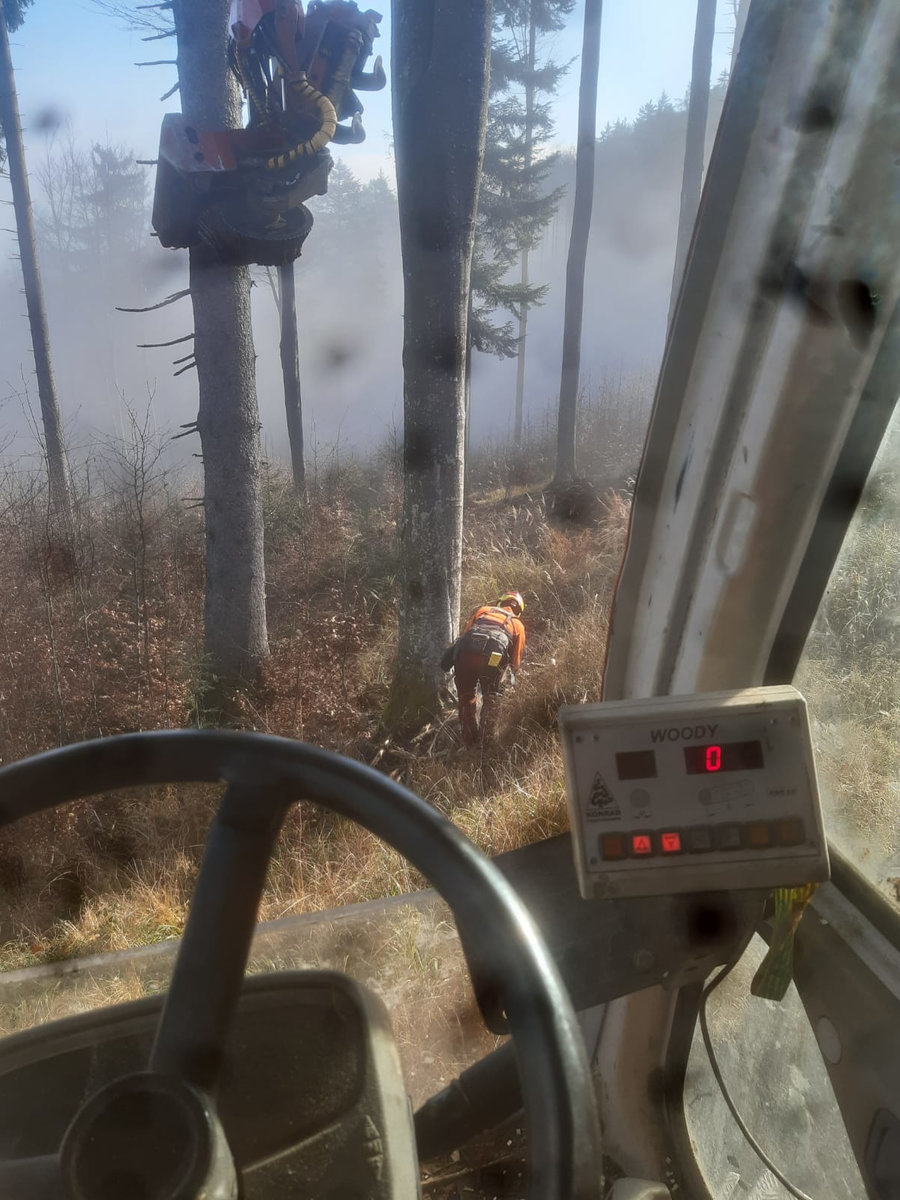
(97, 255)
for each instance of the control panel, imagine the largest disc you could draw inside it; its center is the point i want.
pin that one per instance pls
(693, 793)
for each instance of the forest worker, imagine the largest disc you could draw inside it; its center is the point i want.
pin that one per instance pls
(490, 647)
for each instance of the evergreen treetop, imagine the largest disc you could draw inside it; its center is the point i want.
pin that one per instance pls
(515, 205)
(14, 12)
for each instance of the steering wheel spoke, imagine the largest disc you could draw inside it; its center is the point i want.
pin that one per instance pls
(212, 958)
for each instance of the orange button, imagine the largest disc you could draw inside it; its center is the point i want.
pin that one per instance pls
(759, 834)
(641, 844)
(612, 846)
(790, 832)
(670, 842)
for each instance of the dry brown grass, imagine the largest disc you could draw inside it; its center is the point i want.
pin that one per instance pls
(110, 641)
(849, 675)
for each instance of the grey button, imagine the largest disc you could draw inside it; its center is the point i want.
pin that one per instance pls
(699, 839)
(728, 837)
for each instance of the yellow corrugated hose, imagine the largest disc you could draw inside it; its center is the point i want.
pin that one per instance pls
(328, 124)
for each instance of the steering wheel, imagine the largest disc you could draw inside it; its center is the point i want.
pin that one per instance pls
(264, 777)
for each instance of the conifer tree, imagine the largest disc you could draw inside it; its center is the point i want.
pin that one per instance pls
(514, 205)
(695, 141)
(11, 17)
(578, 244)
(437, 195)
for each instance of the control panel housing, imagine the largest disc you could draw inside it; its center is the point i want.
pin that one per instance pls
(693, 793)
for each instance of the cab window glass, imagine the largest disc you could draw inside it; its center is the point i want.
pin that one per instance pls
(773, 1070)
(850, 675)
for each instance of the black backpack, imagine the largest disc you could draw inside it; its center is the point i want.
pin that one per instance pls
(487, 638)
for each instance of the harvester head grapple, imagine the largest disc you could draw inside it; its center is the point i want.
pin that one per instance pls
(242, 191)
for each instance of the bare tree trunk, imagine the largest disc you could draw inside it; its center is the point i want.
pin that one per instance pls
(57, 472)
(529, 148)
(578, 243)
(440, 61)
(520, 360)
(290, 373)
(235, 639)
(695, 143)
(467, 404)
(741, 9)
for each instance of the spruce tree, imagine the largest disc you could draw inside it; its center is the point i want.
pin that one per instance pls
(514, 204)
(11, 17)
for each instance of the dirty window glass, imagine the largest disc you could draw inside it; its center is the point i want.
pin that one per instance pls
(786, 1099)
(850, 675)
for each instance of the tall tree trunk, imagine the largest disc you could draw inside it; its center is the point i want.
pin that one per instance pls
(58, 477)
(741, 9)
(440, 61)
(528, 133)
(520, 359)
(467, 402)
(235, 638)
(578, 243)
(290, 373)
(695, 143)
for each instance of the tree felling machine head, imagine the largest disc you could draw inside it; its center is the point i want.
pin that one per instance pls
(241, 191)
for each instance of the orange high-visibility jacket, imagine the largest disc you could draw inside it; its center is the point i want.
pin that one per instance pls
(489, 614)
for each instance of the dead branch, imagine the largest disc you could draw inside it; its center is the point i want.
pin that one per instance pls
(158, 37)
(191, 427)
(146, 162)
(189, 367)
(158, 62)
(162, 304)
(172, 90)
(176, 361)
(157, 345)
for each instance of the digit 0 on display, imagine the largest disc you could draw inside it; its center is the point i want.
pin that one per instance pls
(728, 756)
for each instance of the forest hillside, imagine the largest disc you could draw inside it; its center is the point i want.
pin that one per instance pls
(112, 642)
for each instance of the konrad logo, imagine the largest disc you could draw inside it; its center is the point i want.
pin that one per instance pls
(683, 733)
(603, 804)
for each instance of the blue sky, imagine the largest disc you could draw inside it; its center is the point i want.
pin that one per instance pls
(77, 64)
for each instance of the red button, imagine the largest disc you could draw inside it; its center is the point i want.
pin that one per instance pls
(612, 846)
(670, 842)
(641, 844)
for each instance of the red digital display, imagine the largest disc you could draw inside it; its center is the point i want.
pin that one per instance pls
(723, 756)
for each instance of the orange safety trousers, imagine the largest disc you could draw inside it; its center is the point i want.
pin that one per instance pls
(471, 670)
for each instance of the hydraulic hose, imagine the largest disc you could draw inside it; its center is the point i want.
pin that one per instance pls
(315, 104)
